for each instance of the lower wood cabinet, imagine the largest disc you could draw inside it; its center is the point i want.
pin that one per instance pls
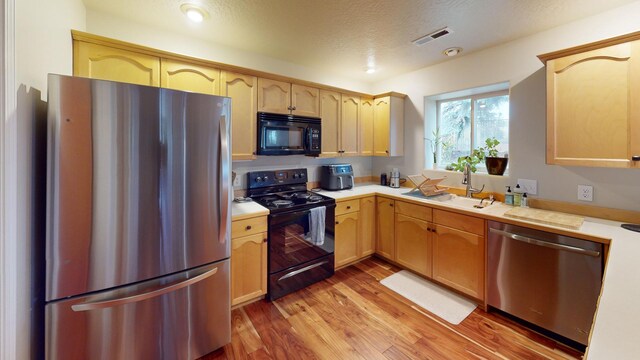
(458, 260)
(367, 226)
(346, 239)
(413, 244)
(385, 233)
(248, 260)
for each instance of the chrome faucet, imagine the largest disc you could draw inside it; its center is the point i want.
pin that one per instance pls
(466, 180)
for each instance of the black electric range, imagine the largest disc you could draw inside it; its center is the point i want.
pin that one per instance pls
(301, 229)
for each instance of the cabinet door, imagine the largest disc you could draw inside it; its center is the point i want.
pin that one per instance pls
(593, 110)
(381, 126)
(305, 100)
(248, 268)
(366, 127)
(349, 125)
(187, 77)
(385, 233)
(274, 96)
(413, 244)
(367, 226)
(458, 260)
(107, 63)
(243, 91)
(346, 239)
(330, 114)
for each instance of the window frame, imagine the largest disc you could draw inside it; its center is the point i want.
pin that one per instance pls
(473, 98)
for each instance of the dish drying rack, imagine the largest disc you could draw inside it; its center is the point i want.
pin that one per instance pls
(427, 186)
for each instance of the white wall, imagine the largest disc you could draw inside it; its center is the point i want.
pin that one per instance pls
(516, 62)
(43, 45)
(361, 166)
(100, 23)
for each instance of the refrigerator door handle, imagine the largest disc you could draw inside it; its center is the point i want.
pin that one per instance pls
(103, 304)
(224, 188)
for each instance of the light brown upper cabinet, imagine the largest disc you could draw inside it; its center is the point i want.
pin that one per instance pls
(286, 98)
(388, 125)
(183, 76)
(109, 63)
(593, 104)
(330, 113)
(243, 91)
(349, 122)
(365, 144)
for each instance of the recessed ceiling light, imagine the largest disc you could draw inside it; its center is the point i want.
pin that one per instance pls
(194, 12)
(371, 70)
(453, 51)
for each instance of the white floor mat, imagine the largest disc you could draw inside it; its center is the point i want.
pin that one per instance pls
(439, 301)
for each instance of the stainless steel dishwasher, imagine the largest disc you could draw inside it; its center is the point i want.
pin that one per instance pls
(549, 280)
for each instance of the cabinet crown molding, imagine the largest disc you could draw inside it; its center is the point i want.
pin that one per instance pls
(589, 46)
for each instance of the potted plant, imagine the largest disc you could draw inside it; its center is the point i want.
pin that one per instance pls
(496, 165)
(435, 142)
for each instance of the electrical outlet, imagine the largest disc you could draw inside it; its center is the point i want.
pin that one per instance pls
(236, 181)
(585, 192)
(528, 186)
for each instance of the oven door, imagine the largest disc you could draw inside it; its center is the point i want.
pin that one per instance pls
(281, 138)
(290, 242)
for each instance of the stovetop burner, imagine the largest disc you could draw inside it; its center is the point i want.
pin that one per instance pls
(280, 203)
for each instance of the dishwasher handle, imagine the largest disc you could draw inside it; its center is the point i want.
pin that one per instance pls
(547, 244)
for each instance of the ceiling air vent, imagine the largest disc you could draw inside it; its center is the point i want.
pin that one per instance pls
(434, 35)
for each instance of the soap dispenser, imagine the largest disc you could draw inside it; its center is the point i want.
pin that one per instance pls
(508, 196)
(517, 195)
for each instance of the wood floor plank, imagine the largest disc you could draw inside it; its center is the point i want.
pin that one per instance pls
(352, 316)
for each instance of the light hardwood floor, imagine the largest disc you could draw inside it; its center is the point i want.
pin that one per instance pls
(352, 316)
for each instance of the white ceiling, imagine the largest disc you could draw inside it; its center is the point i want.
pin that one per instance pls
(342, 36)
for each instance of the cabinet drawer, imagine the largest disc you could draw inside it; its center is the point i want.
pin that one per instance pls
(248, 226)
(414, 211)
(348, 206)
(461, 222)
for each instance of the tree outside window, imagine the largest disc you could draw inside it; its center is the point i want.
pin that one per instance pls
(465, 124)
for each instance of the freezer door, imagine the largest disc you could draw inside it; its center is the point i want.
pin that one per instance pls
(138, 183)
(181, 316)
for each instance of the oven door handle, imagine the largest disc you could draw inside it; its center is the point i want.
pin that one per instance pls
(290, 215)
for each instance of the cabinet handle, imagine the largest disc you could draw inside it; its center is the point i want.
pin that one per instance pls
(391, 205)
(387, 151)
(264, 240)
(248, 227)
(294, 108)
(337, 223)
(635, 158)
(348, 207)
(289, 107)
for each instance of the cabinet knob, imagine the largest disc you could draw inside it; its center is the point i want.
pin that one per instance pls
(248, 227)
(635, 158)
(348, 207)
(289, 107)
(337, 223)
(391, 205)
(264, 240)
(387, 151)
(294, 108)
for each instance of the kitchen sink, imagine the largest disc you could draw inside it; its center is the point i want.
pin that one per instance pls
(454, 200)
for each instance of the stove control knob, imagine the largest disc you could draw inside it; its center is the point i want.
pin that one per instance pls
(295, 176)
(266, 178)
(258, 179)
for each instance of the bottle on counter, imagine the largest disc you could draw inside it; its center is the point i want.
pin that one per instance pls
(508, 196)
(383, 179)
(517, 195)
(524, 202)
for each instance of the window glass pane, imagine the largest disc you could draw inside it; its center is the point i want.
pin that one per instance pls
(492, 120)
(455, 129)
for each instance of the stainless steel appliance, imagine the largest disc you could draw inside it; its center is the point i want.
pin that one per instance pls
(138, 222)
(301, 240)
(394, 179)
(549, 280)
(336, 177)
(280, 134)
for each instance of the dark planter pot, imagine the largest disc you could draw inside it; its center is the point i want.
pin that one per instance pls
(496, 165)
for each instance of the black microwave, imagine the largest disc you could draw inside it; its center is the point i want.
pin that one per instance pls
(280, 134)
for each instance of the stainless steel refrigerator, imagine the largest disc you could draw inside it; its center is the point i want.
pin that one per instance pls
(138, 221)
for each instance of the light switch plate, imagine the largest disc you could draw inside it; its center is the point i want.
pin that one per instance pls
(528, 186)
(585, 192)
